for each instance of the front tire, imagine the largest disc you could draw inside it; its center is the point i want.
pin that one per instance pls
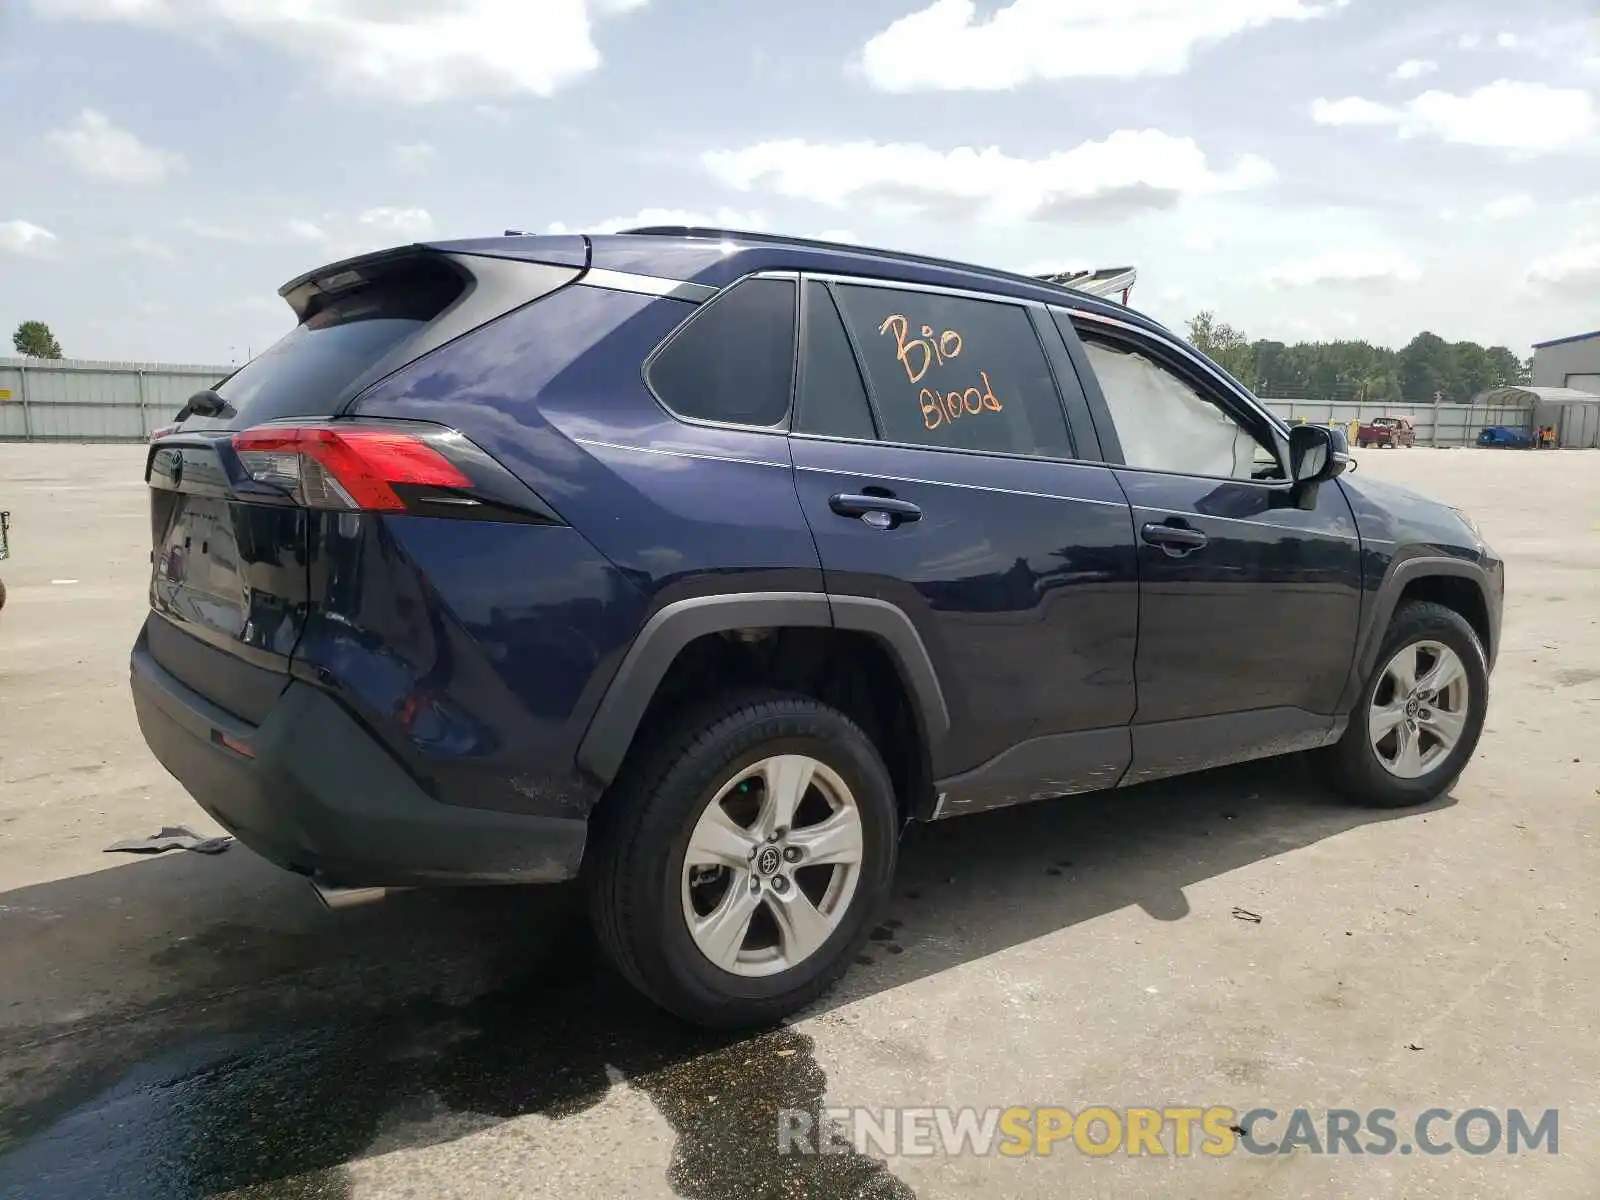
(739, 861)
(1420, 714)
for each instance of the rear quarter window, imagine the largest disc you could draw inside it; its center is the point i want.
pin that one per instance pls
(733, 362)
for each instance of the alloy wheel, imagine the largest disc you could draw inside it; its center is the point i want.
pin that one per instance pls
(1418, 709)
(772, 865)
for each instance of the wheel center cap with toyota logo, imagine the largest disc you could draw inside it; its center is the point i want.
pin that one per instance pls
(768, 860)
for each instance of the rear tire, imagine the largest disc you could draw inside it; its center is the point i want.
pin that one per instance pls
(1408, 746)
(699, 886)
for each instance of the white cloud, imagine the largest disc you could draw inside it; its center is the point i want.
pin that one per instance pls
(24, 237)
(1574, 270)
(95, 146)
(407, 224)
(1414, 68)
(413, 156)
(1128, 171)
(947, 46)
(722, 218)
(306, 231)
(1350, 268)
(1353, 110)
(1505, 115)
(1507, 41)
(1508, 206)
(409, 52)
(1469, 41)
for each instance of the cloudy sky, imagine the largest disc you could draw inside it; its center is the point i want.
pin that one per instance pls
(1307, 168)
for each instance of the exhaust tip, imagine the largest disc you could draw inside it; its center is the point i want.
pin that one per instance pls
(336, 898)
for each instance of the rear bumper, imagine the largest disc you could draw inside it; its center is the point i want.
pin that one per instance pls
(311, 790)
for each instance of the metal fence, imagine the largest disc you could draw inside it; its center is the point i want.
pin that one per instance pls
(76, 400)
(1436, 424)
(81, 401)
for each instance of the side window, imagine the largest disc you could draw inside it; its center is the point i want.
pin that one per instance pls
(1165, 424)
(832, 398)
(734, 361)
(954, 373)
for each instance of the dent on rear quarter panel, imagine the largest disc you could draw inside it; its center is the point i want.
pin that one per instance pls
(475, 649)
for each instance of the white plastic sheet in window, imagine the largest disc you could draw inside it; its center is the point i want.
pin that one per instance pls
(1163, 423)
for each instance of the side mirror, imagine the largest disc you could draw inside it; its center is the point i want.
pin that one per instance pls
(1316, 454)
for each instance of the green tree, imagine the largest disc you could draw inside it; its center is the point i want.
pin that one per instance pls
(1506, 369)
(1223, 345)
(33, 339)
(1471, 371)
(1353, 370)
(1426, 368)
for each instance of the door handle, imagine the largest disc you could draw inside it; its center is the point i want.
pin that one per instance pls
(1174, 539)
(884, 512)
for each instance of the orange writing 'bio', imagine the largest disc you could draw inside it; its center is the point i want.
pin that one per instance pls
(918, 355)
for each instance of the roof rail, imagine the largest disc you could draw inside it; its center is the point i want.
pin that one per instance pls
(1098, 279)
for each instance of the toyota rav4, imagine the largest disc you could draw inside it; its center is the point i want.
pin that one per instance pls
(696, 564)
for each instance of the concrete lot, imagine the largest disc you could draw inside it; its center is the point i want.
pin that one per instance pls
(187, 1025)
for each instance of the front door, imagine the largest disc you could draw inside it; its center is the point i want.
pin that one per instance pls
(945, 487)
(1248, 603)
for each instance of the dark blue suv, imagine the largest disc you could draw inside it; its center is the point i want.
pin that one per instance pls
(696, 564)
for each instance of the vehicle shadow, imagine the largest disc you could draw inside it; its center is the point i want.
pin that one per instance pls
(187, 1026)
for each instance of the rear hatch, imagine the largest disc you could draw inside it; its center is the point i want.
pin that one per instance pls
(236, 480)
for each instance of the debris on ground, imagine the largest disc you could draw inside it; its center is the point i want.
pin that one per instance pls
(171, 837)
(1244, 914)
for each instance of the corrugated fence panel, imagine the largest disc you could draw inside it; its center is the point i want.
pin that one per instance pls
(79, 400)
(83, 401)
(1436, 424)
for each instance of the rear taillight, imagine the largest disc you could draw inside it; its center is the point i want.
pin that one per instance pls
(348, 469)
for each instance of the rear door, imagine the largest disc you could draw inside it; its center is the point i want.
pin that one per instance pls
(1248, 602)
(937, 471)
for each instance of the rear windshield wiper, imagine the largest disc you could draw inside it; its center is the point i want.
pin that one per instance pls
(204, 403)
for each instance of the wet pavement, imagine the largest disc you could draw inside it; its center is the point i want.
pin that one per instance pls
(279, 1044)
(268, 1086)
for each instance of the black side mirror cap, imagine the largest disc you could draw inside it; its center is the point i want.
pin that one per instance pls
(1317, 453)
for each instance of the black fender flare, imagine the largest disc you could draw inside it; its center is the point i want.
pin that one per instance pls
(1388, 598)
(675, 625)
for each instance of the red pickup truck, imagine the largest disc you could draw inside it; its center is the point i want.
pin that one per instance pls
(1387, 432)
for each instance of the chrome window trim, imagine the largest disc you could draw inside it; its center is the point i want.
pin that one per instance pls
(972, 487)
(967, 450)
(647, 285)
(936, 289)
(673, 452)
